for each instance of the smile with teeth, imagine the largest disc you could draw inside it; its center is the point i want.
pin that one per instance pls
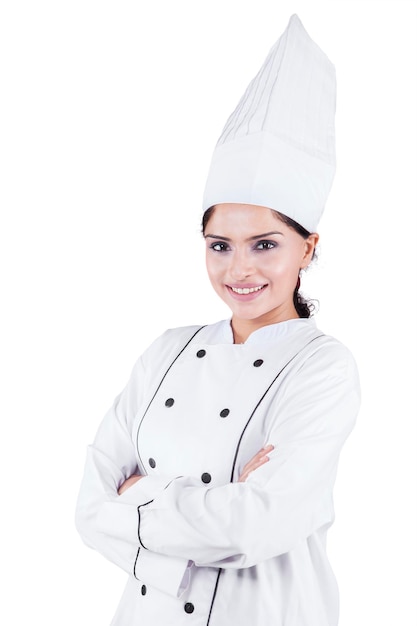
(246, 290)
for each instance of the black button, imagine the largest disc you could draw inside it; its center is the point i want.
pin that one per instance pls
(143, 590)
(189, 607)
(152, 463)
(258, 363)
(169, 402)
(224, 412)
(201, 353)
(206, 478)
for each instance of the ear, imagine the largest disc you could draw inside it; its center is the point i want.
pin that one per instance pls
(309, 246)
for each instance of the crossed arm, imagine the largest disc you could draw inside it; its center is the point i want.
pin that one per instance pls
(259, 459)
(181, 520)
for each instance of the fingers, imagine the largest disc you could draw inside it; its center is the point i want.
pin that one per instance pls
(128, 483)
(259, 459)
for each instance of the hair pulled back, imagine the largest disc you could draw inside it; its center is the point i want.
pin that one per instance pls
(305, 308)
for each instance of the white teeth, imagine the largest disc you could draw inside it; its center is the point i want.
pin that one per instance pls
(246, 290)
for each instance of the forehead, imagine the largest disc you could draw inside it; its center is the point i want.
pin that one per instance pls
(244, 218)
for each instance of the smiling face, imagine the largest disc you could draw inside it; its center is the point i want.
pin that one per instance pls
(253, 261)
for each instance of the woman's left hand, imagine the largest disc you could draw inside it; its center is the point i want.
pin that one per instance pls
(259, 459)
(128, 483)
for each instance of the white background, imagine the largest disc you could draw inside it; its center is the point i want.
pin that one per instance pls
(109, 114)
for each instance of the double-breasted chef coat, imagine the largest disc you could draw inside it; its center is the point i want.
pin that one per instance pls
(200, 547)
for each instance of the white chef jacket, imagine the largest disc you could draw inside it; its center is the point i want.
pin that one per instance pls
(201, 548)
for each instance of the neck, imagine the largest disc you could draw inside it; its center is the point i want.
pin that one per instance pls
(243, 328)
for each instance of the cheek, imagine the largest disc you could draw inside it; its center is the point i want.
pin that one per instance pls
(209, 264)
(213, 265)
(282, 267)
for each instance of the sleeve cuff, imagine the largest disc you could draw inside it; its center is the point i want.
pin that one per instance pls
(166, 573)
(118, 517)
(144, 490)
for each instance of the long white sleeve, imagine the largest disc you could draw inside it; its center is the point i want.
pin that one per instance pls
(111, 459)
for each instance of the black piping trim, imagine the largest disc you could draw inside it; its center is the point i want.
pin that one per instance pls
(140, 540)
(134, 566)
(159, 386)
(261, 400)
(240, 441)
(214, 596)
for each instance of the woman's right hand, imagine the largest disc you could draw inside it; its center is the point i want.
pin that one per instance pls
(128, 483)
(259, 459)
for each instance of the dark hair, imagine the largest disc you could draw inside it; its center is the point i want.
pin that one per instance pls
(305, 308)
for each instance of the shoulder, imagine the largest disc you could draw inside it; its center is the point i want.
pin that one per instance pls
(329, 363)
(322, 387)
(181, 334)
(175, 339)
(311, 346)
(165, 348)
(330, 350)
(320, 359)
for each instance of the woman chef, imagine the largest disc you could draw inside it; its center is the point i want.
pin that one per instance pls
(210, 479)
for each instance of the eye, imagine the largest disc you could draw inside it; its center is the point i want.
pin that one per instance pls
(265, 245)
(219, 246)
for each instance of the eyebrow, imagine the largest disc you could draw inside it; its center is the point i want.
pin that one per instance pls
(262, 236)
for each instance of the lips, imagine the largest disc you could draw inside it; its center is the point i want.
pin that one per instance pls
(245, 292)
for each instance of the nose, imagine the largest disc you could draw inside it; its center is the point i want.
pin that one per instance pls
(240, 265)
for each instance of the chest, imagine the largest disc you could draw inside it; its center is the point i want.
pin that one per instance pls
(212, 411)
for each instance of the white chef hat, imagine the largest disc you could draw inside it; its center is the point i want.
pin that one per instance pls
(277, 148)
